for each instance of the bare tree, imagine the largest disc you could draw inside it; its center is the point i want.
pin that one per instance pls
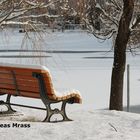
(116, 96)
(118, 19)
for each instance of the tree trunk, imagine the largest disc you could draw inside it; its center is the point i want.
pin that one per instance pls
(116, 95)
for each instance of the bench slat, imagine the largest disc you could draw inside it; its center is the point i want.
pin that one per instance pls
(22, 93)
(20, 71)
(6, 76)
(6, 81)
(24, 77)
(20, 82)
(30, 95)
(20, 87)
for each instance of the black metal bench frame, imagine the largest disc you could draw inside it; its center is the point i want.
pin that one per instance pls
(43, 96)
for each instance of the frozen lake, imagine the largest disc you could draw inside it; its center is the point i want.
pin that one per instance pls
(77, 60)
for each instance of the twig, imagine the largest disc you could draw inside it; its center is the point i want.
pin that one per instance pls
(113, 127)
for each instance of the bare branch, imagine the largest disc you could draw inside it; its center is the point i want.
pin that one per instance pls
(136, 22)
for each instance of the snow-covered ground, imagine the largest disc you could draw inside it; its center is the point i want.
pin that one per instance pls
(87, 125)
(76, 60)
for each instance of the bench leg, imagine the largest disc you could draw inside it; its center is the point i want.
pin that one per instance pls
(51, 112)
(63, 111)
(10, 110)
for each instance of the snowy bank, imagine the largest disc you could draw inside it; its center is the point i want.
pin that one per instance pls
(87, 125)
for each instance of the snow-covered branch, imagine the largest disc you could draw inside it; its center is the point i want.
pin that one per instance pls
(102, 19)
(136, 22)
(14, 10)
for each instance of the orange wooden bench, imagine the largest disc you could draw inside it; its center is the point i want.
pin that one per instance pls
(33, 82)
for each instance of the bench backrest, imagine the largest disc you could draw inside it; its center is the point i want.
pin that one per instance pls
(18, 80)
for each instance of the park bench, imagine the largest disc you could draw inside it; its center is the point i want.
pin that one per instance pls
(33, 81)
